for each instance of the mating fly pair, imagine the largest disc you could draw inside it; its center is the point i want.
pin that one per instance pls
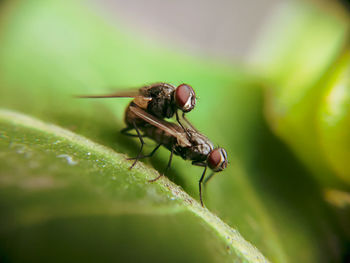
(146, 113)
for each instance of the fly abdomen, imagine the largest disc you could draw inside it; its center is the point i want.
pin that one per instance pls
(159, 136)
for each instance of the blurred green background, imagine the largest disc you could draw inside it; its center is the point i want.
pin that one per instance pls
(282, 113)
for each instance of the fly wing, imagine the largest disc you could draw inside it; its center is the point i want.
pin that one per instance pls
(145, 92)
(167, 127)
(131, 93)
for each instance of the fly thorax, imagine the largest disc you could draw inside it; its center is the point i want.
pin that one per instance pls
(203, 149)
(201, 146)
(161, 106)
(170, 110)
(169, 107)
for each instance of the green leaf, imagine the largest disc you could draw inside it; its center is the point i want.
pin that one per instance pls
(65, 180)
(52, 50)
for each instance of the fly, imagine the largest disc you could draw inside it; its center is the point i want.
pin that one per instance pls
(185, 142)
(162, 100)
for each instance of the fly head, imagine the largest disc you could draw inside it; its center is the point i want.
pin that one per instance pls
(217, 159)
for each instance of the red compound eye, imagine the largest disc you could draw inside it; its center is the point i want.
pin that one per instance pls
(185, 97)
(217, 159)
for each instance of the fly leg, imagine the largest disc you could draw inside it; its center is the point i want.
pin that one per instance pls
(141, 141)
(188, 122)
(202, 164)
(167, 167)
(170, 159)
(208, 178)
(200, 186)
(178, 120)
(148, 155)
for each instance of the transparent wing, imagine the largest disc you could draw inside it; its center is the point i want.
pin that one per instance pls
(130, 93)
(170, 128)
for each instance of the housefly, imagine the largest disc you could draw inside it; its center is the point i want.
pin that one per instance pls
(162, 100)
(185, 142)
